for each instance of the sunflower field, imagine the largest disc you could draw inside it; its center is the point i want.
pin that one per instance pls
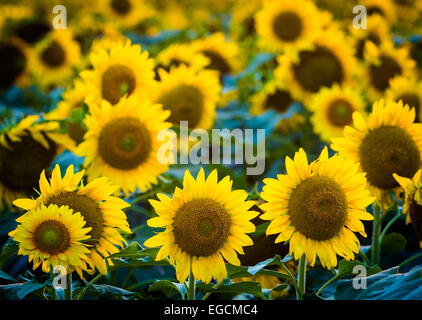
(175, 150)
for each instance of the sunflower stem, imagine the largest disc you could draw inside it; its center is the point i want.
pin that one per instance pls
(327, 284)
(389, 224)
(416, 256)
(376, 234)
(191, 287)
(68, 291)
(301, 278)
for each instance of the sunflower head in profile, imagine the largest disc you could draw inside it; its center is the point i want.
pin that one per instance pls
(413, 200)
(177, 54)
(190, 95)
(101, 211)
(121, 143)
(14, 55)
(332, 110)
(386, 142)
(52, 236)
(329, 62)
(288, 25)
(384, 63)
(118, 70)
(408, 90)
(223, 54)
(54, 59)
(274, 96)
(26, 149)
(125, 14)
(317, 207)
(204, 222)
(72, 103)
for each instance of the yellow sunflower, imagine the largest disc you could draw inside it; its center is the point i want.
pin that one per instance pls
(14, 55)
(121, 143)
(409, 90)
(204, 222)
(408, 13)
(118, 70)
(331, 61)
(101, 211)
(73, 99)
(333, 108)
(288, 25)
(125, 14)
(382, 64)
(190, 95)
(26, 149)
(52, 236)
(177, 54)
(377, 31)
(272, 96)
(317, 207)
(384, 8)
(413, 201)
(386, 142)
(54, 58)
(222, 53)
(242, 24)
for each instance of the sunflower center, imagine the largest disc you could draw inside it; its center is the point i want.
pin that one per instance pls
(201, 227)
(121, 7)
(280, 101)
(387, 150)
(86, 206)
(318, 208)
(217, 62)
(76, 131)
(318, 68)
(380, 75)
(21, 166)
(117, 81)
(412, 100)
(12, 64)
(185, 102)
(124, 143)
(340, 112)
(51, 237)
(54, 55)
(287, 26)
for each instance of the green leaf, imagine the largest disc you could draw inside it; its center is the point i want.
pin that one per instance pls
(105, 289)
(18, 291)
(269, 262)
(260, 229)
(9, 249)
(346, 268)
(168, 288)
(248, 287)
(5, 276)
(393, 243)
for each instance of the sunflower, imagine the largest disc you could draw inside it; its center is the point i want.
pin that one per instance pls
(177, 54)
(14, 55)
(223, 54)
(204, 222)
(382, 64)
(408, 13)
(52, 236)
(242, 24)
(73, 100)
(317, 207)
(285, 25)
(101, 211)
(274, 96)
(332, 110)
(118, 70)
(384, 8)
(190, 95)
(409, 90)
(386, 142)
(26, 149)
(125, 13)
(330, 61)
(121, 143)
(377, 31)
(54, 58)
(413, 200)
